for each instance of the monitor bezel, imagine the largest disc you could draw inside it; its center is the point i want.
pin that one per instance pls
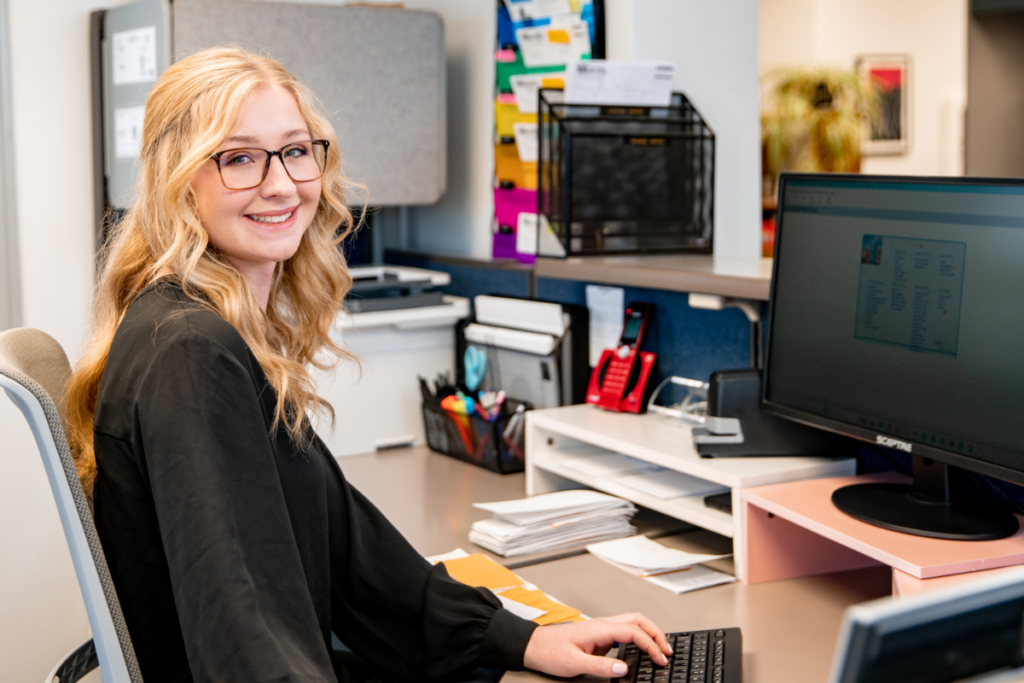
(878, 618)
(845, 428)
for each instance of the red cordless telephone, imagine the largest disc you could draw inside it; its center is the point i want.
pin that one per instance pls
(621, 376)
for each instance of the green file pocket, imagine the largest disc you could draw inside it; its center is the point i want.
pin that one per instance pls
(497, 446)
(506, 70)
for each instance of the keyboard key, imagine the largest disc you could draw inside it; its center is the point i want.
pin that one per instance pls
(690, 662)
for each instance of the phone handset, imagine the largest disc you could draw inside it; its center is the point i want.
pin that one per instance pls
(621, 376)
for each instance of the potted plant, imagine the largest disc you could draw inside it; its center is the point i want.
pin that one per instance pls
(812, 121)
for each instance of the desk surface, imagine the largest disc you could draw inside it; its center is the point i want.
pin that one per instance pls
(789, 627)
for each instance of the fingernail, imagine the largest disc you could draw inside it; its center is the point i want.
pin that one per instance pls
(619, 669)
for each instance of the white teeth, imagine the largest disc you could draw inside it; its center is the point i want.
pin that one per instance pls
(272, 219)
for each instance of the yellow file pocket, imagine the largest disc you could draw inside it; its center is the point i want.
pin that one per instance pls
(509, 169)
(507, 115)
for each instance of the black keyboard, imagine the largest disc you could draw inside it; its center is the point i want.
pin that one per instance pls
(697, 657)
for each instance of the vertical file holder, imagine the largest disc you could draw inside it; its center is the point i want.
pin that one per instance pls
(621, 179)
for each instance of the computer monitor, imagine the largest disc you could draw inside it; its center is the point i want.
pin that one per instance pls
(941, 636)
(897, 318)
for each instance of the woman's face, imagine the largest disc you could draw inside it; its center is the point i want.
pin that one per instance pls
(246, 225)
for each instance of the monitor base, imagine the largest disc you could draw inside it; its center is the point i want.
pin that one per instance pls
(900, 508)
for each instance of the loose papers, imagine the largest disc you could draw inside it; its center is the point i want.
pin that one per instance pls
(675, 570)
(599, 81)
(553, 521)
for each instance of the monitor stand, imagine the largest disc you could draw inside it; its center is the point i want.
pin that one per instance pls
(931, 506)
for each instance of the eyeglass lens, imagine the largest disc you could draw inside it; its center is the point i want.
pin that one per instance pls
(242, 169)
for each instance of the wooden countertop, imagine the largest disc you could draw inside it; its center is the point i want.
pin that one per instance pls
(743, 278)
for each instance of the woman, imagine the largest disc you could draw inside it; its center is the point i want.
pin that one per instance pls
(234, 541)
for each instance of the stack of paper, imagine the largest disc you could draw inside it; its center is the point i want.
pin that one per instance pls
(676, 570)
(516, 595)
(553, 521)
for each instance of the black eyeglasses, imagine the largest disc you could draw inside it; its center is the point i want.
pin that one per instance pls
(246, 168)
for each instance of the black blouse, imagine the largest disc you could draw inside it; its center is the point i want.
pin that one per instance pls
(235, 553)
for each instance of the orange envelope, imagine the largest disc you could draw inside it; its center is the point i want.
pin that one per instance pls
(480, 570)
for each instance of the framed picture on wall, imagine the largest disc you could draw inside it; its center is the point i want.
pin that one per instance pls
(889, 75)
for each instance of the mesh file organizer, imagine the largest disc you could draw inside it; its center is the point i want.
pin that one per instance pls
(497, 445)
(620, 179)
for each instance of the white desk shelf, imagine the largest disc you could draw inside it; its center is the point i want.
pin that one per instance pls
(555, 434)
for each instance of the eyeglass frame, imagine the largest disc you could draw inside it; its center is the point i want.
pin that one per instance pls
(266, 167)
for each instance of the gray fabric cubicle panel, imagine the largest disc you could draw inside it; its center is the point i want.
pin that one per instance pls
(124, 97)
(379, 72)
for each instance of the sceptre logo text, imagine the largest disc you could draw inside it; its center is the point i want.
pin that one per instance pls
(893, 443)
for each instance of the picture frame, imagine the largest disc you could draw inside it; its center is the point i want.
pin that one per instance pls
(890, 74)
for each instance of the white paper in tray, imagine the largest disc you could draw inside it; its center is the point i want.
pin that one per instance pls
(605, 464)
(665, 484)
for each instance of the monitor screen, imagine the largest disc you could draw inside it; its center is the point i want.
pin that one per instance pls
(897, 315)
(938, 636)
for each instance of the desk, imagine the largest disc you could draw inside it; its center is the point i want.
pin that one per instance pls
(429, 497)
(789, 626)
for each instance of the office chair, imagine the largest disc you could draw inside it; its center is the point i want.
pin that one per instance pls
(33, 372)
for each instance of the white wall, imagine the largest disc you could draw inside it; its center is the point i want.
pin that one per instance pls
(933, 32)
(42, 613)
(461, 222)
(714, 48)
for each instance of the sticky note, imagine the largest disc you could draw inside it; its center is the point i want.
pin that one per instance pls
(505, 56)
(480, 570)
(553, 83)
(558, 35)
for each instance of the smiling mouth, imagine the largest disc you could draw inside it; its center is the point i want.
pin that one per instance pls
(271, 219)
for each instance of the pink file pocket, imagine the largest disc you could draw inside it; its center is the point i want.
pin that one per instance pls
(509, 203)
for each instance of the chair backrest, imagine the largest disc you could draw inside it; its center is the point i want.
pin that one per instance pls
(33, 372)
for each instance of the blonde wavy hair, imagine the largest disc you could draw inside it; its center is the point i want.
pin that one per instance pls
(191, 110)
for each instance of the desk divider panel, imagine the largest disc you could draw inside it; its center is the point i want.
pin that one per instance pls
(379, 72)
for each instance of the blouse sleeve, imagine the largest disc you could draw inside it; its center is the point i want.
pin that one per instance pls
(236, 572)
(404, 614)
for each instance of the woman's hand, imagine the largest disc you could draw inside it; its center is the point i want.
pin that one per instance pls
(578, 648)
